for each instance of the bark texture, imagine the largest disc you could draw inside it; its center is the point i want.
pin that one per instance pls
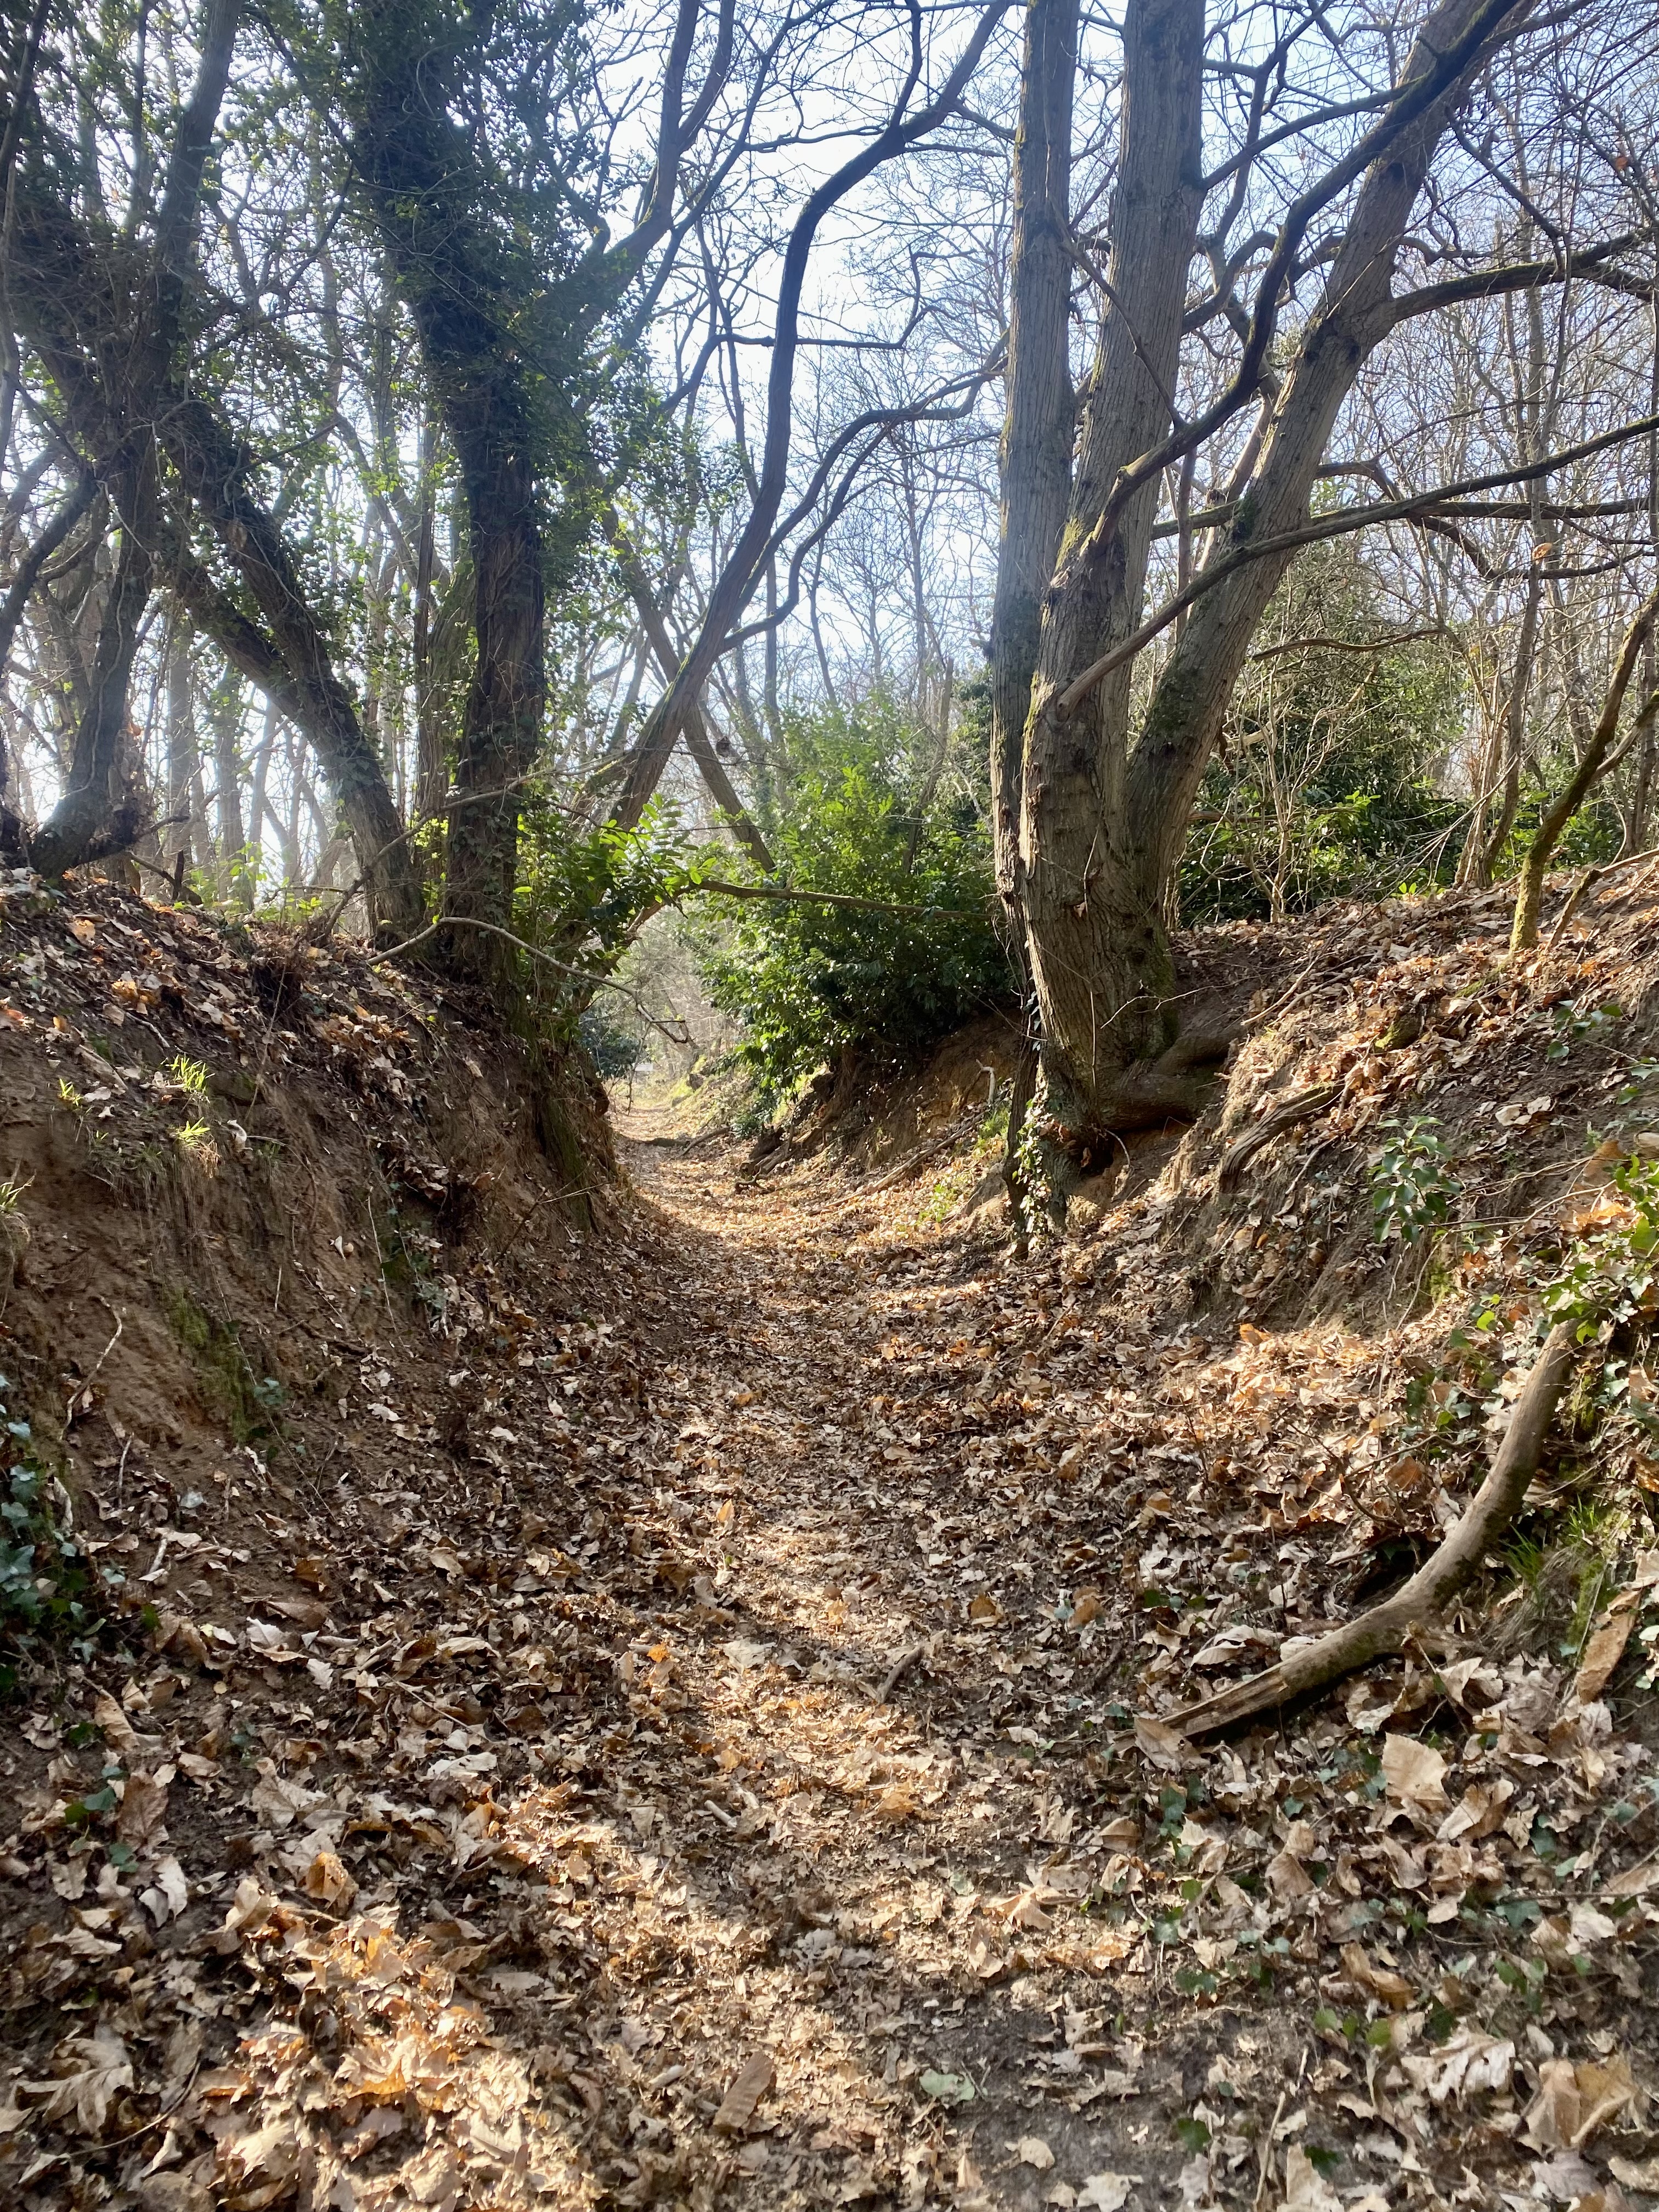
(1040, 405)
(1098, 955)
(1105, 823)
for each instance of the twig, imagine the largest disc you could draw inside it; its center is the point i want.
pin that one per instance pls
(826, 898)
(1265, 2164)
(911, 1161)
(380, 1260)
(87, 1381)
(1586, 882)
(900, 1666)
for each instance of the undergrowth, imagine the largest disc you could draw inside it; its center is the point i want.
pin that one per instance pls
(47, 1591)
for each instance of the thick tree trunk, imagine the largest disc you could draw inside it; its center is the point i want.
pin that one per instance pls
(98, 813)
(1099, 960)
(1104, 826)
(501, 728)
(1040, 407)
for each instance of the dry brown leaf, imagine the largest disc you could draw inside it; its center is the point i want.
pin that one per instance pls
(117, 1729)
(1164, 1746)
(897, 1802)
(1604, 2090)
(143, 1810)
(1306, 2189)
(1602, 1652)
(737, 2107)
(1552, 2119)
(81, 2098)
(328, 1880)
(1415, 1775)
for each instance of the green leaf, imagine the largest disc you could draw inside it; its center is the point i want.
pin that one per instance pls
(947, 2088)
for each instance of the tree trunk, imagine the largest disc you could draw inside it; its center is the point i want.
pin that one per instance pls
(1559, 812)
(97, 815)
(186, 810)
(121, 392)
(1105, 826)
(225, 721)
(1098, 956)
(501, 728)
(1040, 406)
(100, 813)
(431, 770)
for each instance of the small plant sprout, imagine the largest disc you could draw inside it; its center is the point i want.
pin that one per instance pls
(190, 1077)
(195, 1140)
(1411, 1183)
(69, 1096)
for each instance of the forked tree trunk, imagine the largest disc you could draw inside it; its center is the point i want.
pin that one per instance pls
(1105, 824)
(1098, 956)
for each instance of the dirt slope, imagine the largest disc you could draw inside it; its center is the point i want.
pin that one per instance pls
(722, 1764)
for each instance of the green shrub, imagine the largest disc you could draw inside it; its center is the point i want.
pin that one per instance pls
(863, 804)
(1325, 788)
(45, 1585)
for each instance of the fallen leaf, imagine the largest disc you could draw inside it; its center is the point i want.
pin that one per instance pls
(947, 2088)
(1552, 2119)
(328, 1880)
(117, 1729)
(1031, 2150)
(1306, 2189)
(1106, 2192)
(737, 2107)
(1164, 1746)
(1415, 1775)
(1470, 2062)
(168, 1894)
(897, 1803)
(82, 2099)
(143, 1810)
(1601, 1654)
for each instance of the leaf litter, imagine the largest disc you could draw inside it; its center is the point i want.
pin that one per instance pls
(740, 1776)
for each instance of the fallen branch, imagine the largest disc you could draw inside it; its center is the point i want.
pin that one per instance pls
(911, 1162)
(901, 1666)
(1299, 1107)
(1386, 1626)
(1586, 883)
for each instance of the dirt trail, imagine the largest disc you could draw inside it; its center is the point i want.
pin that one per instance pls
(858, 1845)
(670, 1714)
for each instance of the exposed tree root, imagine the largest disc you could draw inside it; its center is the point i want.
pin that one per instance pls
(1386, 1626)
(1299, 1107)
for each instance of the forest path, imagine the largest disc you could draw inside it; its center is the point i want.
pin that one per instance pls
(852, 1816)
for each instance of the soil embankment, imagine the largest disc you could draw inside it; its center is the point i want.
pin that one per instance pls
(672, 1717)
